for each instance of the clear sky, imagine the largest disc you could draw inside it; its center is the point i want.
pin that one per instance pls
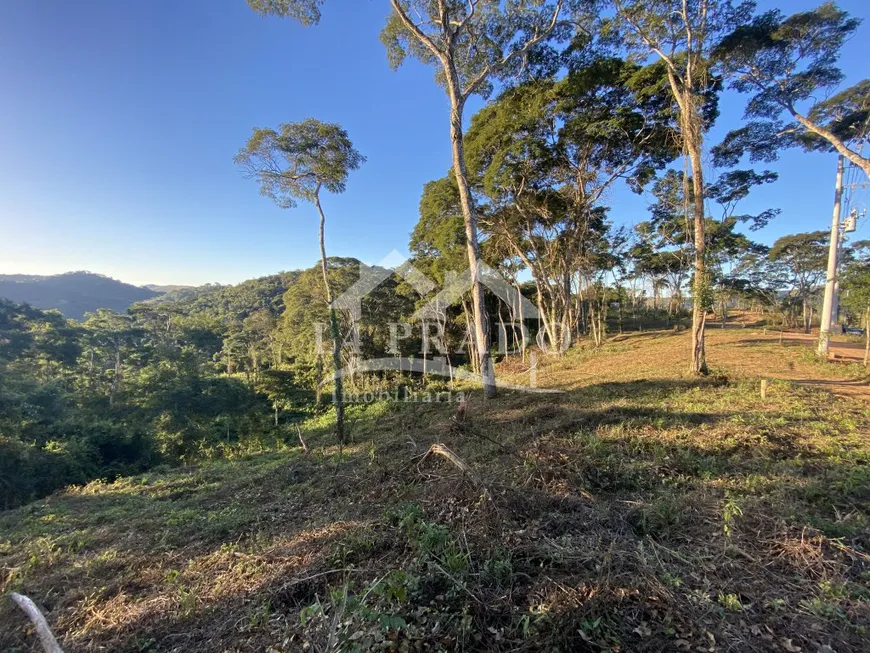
(119, 122)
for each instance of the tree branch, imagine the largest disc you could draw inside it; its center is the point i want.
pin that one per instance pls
(46, 637)
(415, 30)
(829, 136)
(520, 51)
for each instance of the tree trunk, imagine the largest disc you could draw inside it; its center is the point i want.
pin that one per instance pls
(829, 136)
(461, 173)
(699, 311)
(333, 323)
(469, 331)
(503, 329)
(91, 371)
(523, 343)
(619, 305)
(116, 378)
(806, 315)
(692, 128)
(866, 335)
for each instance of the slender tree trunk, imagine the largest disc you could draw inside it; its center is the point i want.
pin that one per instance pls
(333, 323)
(43, 631)
(699, 311)
(91, 371)
(469, 331)
(866, 335)
(503, 329)
(116, 378)
(461, 173)
(806, 315)
(619, 306)
(523, 343)
(692, 128)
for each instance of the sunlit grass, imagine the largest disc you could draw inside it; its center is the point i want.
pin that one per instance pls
(638, 483)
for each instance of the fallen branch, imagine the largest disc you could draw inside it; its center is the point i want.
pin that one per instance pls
(301, 441)
(46, 637)
(441, 450)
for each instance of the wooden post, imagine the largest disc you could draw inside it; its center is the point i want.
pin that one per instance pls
(764, 388)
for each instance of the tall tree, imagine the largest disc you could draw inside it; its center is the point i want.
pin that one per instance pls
(789, 67)
(113, 337)
(438, 245)
(543, 157)
(856, 297)
(295, 163)
(805, 256)
(727, 248)
(681, 34)
(470, 42)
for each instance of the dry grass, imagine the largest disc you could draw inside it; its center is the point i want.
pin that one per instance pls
(641, 509)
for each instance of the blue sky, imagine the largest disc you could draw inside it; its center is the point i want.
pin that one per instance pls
(119, 122)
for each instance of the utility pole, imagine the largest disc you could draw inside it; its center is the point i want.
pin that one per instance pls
(831, 281)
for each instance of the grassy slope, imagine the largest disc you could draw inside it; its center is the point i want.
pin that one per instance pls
(638, 510)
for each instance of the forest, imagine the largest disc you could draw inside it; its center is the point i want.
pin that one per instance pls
(212, 371)
(580, 96)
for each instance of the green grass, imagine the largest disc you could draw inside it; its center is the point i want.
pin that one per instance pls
(641, 509)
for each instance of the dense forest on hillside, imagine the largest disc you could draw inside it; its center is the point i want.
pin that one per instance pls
(230, 369)
(518, 439)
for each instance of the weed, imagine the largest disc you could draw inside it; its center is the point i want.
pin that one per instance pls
(185, 596)
(498, 569)
(822, 608)
(605, 525)
(730, 512)
(665, 513)
(731, 602)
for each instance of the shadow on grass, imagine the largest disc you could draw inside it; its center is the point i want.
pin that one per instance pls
(581, 489)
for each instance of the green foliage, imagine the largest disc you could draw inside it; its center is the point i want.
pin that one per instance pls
(296, 161)
(307, 12)
(785, 64)
(481, 40)
(805, 256)
(855, 296)
(214, 302)
(730, 513)
(438, 240)
(113, 396)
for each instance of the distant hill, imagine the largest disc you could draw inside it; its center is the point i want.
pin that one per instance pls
(233, 303)
(166, 289)
(73, 293)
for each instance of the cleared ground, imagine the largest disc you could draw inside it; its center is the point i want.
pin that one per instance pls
(640, 509)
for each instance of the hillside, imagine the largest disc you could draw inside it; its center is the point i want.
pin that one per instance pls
(229, 302)
(167, 289)
(73, 293)
(638, 509)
